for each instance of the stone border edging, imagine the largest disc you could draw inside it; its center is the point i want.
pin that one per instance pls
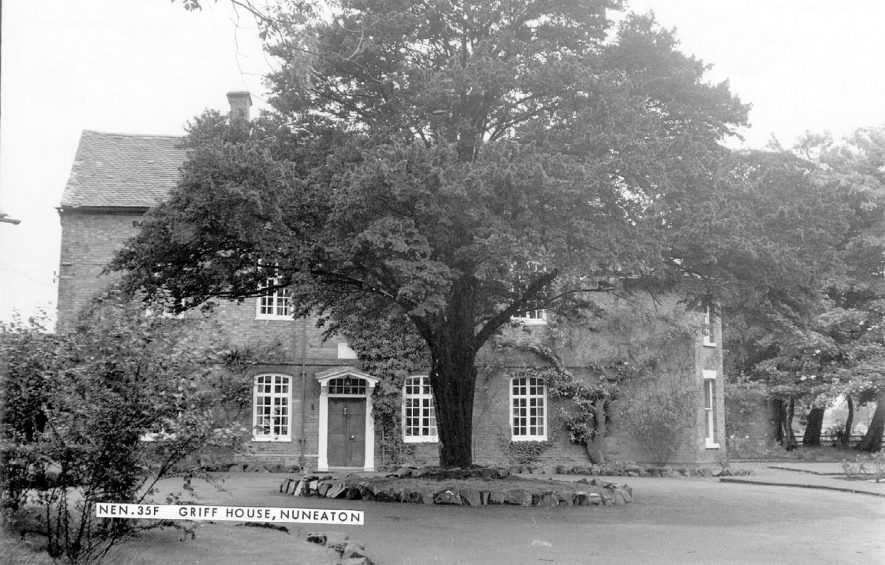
(820, 473)
(810, 472)
(774, 484)
(601, 493)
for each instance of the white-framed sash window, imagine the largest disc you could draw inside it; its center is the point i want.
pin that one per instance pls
(271, 408)
(419, 414)
(711, 431)
(532, 317)
(528, 409)
(273, 303)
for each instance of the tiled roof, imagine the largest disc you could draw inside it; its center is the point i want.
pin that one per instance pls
(116, 170)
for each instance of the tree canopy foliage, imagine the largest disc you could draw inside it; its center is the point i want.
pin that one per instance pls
(463, 162)
(839, 349)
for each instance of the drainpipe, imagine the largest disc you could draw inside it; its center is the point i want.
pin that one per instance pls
(303, 388)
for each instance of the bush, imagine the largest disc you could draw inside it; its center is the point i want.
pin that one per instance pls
(659, 414)
(523, 452)
(94, 397)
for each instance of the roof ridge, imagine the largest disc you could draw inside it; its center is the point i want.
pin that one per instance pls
(149, 135)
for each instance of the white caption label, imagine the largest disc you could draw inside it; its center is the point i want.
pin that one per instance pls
(229, 513)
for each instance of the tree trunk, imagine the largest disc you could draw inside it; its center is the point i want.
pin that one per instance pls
(453, 382)
(815, 420)
(594, 448)
(788, 425)
(849, 423)
(783, 412)
(872, 440)
(778, 412)
(453, 378)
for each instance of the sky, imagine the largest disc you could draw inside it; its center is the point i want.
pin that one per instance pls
(148, 66)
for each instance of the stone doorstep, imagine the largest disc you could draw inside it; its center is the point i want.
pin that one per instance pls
(329, 486)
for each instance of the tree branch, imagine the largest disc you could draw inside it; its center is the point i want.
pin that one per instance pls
(515, 307)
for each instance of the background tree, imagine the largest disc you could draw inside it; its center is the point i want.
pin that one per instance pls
(461, 163)
(859, 162)
(838, 350)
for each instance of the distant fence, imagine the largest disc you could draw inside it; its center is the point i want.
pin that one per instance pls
(836, 441)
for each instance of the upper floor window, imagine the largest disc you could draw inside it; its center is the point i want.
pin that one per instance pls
(528, 409)
(271, 416)
(532, 317)
(709, 329)
(419, 416)
(711, 426)
(273, 304)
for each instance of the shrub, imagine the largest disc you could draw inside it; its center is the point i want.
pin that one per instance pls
(872, 464)
(658, 414)
(94, 400)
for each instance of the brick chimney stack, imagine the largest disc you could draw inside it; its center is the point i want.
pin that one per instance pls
(239, 101)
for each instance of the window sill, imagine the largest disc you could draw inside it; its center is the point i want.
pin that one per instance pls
(421, 439)
(528, 438)
(271, 439)
(271, 317)
(529, 321)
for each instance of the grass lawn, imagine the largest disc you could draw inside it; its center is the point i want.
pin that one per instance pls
(820, 454)
(15, 552)
(218, 543)
(222, 543)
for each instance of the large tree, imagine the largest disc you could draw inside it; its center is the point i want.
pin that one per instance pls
(461, 163)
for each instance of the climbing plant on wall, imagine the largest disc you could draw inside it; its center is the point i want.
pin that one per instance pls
(391, 351)
(587, 403)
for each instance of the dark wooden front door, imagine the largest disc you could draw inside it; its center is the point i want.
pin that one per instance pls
(347, 432)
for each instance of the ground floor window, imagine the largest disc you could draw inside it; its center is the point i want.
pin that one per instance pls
(271, 408)
(711, 433)
(528, 415)
(419, 416)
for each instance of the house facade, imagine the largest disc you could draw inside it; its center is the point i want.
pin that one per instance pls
(312, 404)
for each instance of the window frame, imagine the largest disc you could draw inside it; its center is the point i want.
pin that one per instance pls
(711, 411)
(708, 329)
(430, 408)
(530, 381)
(350, 386)
(272, 395)
(276, 296)
(540, 314)
(527, 320)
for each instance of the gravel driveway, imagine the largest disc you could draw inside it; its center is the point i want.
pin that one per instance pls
(676, 520)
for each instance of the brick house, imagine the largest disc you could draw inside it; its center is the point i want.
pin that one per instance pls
(312, 405)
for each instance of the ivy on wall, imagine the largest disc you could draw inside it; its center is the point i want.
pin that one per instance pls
(523, 452)
(387, 350)
(588, 403)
